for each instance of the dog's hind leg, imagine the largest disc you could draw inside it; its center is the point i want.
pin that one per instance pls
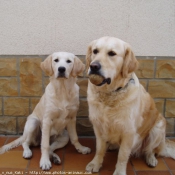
(155, 141)
(30, 131)
(168, 149)
(59, 142)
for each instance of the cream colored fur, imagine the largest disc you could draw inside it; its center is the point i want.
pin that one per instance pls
(55, 111)
(127, 117)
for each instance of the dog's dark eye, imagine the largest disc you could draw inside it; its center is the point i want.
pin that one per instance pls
(111, 53)
(95, 51)
(56, 60)
(69, 61)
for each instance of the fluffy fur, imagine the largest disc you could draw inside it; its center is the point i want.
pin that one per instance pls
(122, 112)
(56, 110)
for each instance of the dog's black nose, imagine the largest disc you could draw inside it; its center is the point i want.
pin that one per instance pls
(61, 69)
(95, 66)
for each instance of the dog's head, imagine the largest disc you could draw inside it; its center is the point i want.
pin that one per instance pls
(110, 57)
(62, 65)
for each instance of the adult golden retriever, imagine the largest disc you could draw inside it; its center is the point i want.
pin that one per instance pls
(56, 110)
(120, 109)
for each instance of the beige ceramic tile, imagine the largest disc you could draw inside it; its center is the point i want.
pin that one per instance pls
(8, 125)
(8, 67)
(13, 159)
(84, 127)
(170, 126)
(83, 108)
(146, 68)
(21, 124)
(77, 161)
(162, 88)
(8, 87)
(143, 83)
(2, 140)
(165, 68)
(160, 105)
(16, 106)
(83, 83)
(30, 77)
(0, 106)
(33, 103)
(140, 165)
(153, 173)
(170, 163)
(170, 108)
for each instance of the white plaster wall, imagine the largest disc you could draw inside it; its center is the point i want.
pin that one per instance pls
(32, 27)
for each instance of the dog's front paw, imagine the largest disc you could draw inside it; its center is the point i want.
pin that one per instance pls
(45, 164)
(93, 167)
(27, 154)
(151, 160)
(84, 150)
(55, 159)
(119, 173)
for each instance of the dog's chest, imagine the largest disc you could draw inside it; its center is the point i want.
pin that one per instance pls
(64, 114)
(58, 124)
(110, 131)
(110, 121)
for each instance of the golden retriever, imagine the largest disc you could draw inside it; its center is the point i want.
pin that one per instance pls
(121, 111)
(56, 110)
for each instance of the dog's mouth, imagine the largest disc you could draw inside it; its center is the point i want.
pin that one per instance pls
(96, 76)
(61, 75)
(106, 80)
(98, 79)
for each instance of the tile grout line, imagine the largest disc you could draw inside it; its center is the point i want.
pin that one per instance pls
(147, 84)
(155, 67)
(43, 81)
(27, 167)
(2, 106)
(17, 126)
(30, 104)
(164, 109)
(167, 166)
(133, 166)
(64, 152)
(6, 140)
(174, 125)
(18, 74)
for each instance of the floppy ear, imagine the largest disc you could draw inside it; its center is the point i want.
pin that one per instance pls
(78, 67)
(130, 63)
(46, 65)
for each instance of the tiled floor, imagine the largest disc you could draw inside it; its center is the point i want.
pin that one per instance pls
(74, 163)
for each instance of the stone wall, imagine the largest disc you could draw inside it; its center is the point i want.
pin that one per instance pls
(22, 83)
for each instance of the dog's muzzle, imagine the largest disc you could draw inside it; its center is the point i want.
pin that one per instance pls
(61, 72)
(95, 68)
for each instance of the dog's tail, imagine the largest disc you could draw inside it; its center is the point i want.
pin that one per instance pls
(168, 149)
(12, 145)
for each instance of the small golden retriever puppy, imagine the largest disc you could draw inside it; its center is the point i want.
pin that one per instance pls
(56, 110)
(121, 111)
